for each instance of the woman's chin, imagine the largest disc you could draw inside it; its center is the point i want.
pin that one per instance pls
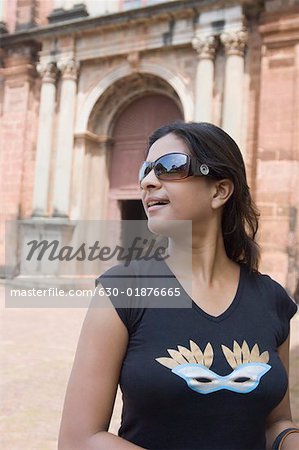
(158, 225)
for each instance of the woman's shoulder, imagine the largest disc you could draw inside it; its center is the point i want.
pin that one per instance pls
(274, 292)
(268, 283)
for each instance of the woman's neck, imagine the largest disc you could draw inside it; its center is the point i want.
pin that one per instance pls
(204, 259)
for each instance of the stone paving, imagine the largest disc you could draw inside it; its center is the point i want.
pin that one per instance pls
(37, 351)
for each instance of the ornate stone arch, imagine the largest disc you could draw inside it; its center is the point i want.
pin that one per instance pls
(175, 81)
(94, 128)
(119, 95)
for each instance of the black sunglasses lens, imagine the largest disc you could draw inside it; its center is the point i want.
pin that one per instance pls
(144, 170)
(172, 167)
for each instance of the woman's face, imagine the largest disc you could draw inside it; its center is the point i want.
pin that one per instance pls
(188, 199)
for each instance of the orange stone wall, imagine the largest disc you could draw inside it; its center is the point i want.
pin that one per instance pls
(278, 146)
(19, 113)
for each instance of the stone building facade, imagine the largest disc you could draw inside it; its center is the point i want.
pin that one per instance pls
(82, 86)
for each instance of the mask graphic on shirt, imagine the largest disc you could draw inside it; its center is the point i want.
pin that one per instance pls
(194, 367)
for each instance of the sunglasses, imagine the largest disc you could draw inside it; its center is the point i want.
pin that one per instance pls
(174, 166)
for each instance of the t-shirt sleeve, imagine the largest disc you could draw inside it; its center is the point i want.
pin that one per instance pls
(286, 309)
(119, 282)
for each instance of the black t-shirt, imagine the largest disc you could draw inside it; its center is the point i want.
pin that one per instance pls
(194, 381)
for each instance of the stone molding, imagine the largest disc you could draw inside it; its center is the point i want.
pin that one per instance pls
(92, 137)
(19, 62)
(234, 42)
(279, 29)
(157, 12)
(48, 72)
(25, 72)
(205, 46)
(59, 15)
(69, 69)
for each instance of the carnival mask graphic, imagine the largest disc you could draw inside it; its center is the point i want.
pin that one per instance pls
(194, 367)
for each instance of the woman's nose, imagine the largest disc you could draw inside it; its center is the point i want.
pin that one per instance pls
(150, 180)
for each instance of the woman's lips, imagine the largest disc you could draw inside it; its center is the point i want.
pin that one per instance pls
(156, 207)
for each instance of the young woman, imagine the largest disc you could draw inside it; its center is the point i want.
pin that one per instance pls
(210, 376)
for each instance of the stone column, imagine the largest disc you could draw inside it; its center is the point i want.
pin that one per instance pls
(65, 138)
(234, 43)
(206, 49)
(44, 138)
(90, 181)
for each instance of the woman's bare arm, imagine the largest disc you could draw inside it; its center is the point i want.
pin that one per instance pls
(93, 383)
(281, 418)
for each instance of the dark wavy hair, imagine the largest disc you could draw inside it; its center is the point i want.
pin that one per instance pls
(213, 146)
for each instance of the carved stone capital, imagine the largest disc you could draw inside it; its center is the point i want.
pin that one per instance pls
(205, 46)
(234, 42)
(69, 69)
(48, 72)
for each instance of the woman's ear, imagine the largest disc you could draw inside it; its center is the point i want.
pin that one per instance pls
(223, 189)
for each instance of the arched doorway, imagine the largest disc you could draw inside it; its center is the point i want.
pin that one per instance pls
(130, 133)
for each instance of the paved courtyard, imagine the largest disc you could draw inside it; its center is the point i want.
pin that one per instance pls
(37, 351)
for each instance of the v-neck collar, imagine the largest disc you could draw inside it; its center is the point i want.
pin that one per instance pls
(229, 310)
